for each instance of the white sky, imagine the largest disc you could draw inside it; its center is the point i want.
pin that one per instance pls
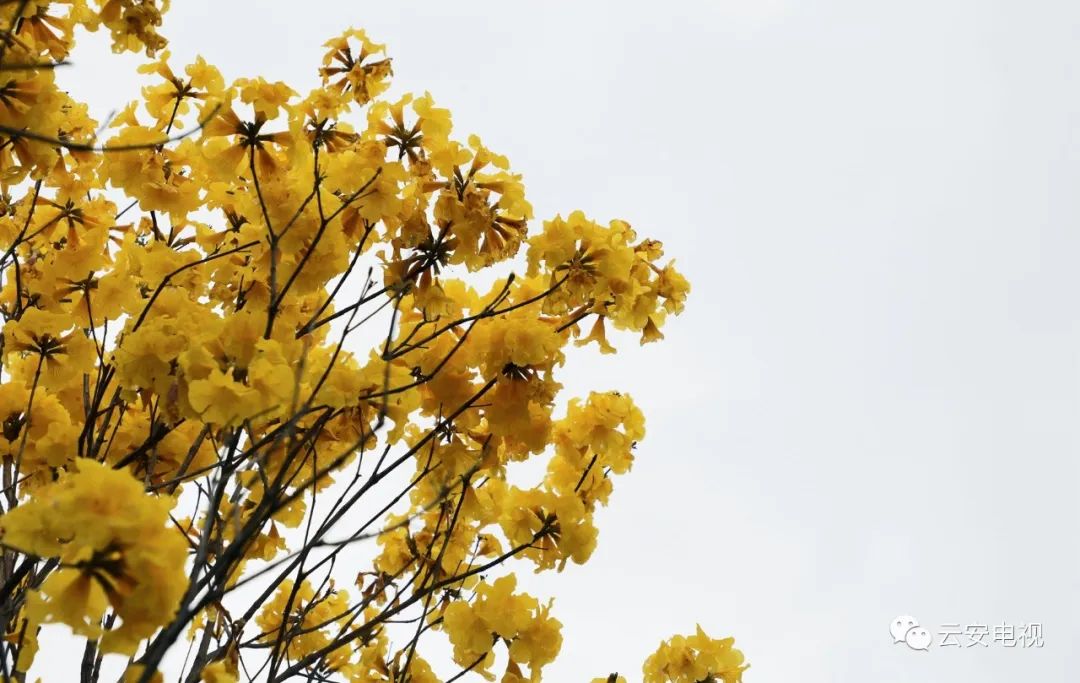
(870, 405)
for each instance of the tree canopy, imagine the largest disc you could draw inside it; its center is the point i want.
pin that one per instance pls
(248, 330)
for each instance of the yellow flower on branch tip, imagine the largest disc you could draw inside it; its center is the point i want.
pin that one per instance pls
(39, 332)
(244, 138)
(114, 545)
(538, 644)
(597, 334)
(66, 213)
(41, 440)
(18, 94)
(52, 34)
(651, 332)
(266, 98)
(133, 24)
(169, 100)
(689, 659)
(533, 636)
(317, 615)
(53, 355)
(435, 122)
(155, 176)
(468, 633)
(354, 73)
(219, 399)
(428, 133)
(673, 288)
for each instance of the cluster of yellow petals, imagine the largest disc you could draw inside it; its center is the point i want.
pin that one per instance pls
(690, 659)
(315, 614)
(695, 658)
(116, 550)
(531, 635)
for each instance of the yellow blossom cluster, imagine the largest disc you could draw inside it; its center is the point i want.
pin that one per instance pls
(532, 636)
(694, 658)
(690, 659)
(311, 615)
(116, 552)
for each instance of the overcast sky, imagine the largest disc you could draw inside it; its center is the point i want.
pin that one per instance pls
(870, 405)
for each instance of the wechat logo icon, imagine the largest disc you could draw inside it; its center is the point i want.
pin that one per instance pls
(906, 629)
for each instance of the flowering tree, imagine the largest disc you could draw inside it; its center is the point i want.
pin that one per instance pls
(240, 340)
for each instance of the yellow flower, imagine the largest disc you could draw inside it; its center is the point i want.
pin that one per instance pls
(228, 140)
(689, 659)
(308, 617)
(219, 399)
(651, 332)
(599, 335)
(486, 212)
(156, 177)
(355, 74)
(470, 636)
(537, 644)
(133, 24)
(266, 98)
(114, 544)
(53, 355)
(533, 636)
(39, 440)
